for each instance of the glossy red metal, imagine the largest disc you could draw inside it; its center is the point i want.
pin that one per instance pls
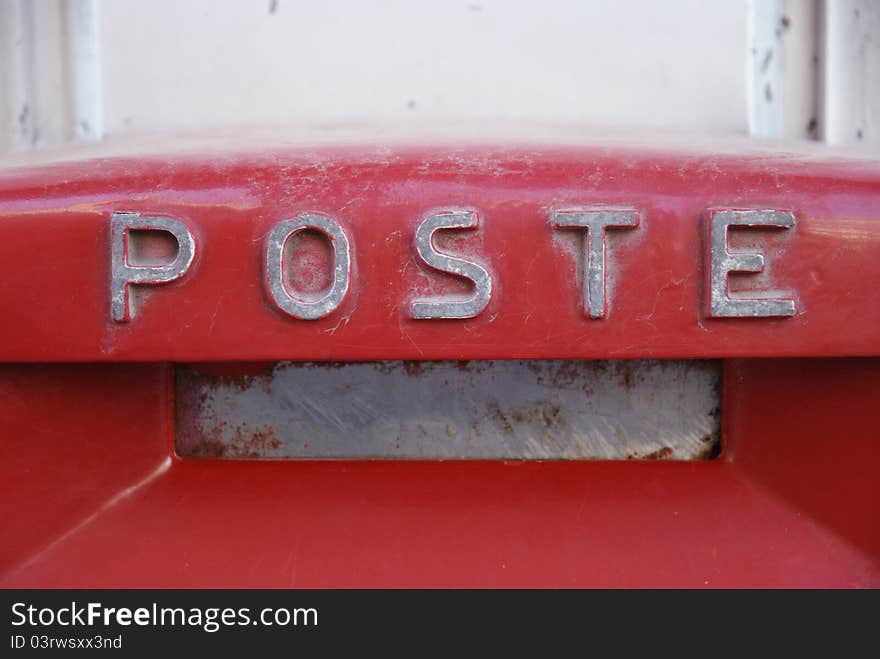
(92, 499)
(54, 265)
(94, 496)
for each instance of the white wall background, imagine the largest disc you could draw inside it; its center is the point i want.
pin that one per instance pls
(86, 69)
(626, 63)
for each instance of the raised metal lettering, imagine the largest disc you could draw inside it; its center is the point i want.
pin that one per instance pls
(123, 273)
(470, 307)
(724, 261)
(308, 309)
(595, 221)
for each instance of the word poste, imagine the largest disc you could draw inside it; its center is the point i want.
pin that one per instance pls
(595, 222)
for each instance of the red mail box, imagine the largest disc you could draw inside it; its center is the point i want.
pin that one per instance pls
(413, 251)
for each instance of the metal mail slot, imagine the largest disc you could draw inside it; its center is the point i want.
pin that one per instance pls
(502, 409)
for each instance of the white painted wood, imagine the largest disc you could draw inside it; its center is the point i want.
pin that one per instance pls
(35, 99)
(852, 74)
(783, 82)
(84, 67)
(168, 66)
(16, 107)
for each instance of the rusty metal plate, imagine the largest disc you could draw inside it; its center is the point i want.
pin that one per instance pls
(506, 409)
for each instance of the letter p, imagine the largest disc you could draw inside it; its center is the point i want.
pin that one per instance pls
(123, 273)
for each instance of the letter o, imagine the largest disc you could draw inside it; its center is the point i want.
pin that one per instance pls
(282, 298)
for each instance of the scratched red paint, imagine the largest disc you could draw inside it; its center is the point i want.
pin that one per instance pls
(58, 216)
(96, 497)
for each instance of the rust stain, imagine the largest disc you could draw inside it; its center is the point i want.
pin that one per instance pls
(246, 443)
(712, 450)
(208, 448)
(660, 454)
(500, 418)
(542, 413)
(413, 368)
(626, 374)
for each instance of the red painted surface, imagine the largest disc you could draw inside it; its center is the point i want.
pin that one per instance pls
(761, 516)
(54, 255)
(93, 496)
(71, 439)
(806, 430)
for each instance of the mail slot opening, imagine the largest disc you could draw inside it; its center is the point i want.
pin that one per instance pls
(447, 410)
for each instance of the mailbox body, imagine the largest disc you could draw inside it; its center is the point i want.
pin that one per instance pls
(95, 494)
